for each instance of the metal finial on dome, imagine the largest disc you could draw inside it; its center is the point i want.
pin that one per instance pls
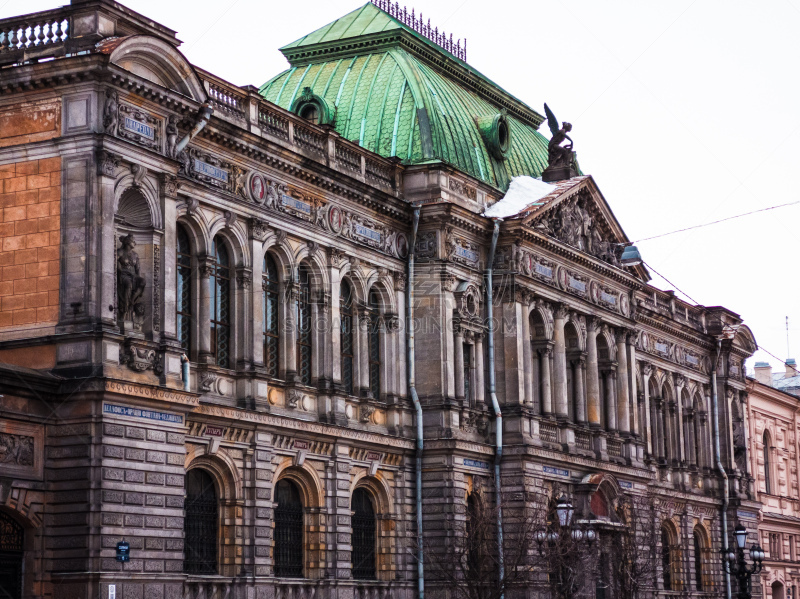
(419, 25)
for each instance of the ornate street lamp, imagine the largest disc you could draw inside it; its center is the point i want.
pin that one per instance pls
(735, 562)
(565, 537)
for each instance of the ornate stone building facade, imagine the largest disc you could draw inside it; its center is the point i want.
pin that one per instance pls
(772, 436)
(204, 323)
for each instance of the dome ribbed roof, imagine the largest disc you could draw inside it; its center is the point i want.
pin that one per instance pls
(399, 94)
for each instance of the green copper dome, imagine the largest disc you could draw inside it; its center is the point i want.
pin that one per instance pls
(396, 93)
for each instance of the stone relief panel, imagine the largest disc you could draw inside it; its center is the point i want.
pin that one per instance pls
(577, 222)
(659, 346)
(21, 450)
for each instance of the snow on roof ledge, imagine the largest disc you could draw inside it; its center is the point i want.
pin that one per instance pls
(522, 192)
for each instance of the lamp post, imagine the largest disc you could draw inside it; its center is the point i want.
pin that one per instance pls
(563, 540)
(736, 565)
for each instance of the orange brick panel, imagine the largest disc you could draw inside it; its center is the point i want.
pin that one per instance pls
(30, 230)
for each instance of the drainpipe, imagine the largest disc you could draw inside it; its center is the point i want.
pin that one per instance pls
(415, 399)
(718, 458)
(203, 116)
(495, 407)
(185, 372)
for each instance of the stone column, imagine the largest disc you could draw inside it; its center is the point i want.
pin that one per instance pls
(256, 339)
(560, 363)
(335, 323)
(363, 350)
(480, 384)
(580, 396)
(289, 332)
(655, 418)
(527, 355)
(592, 374)
(623, 401)
(169, 190)
(689, 436)
(647, 371)
(458, 333)
(680, 383)
(632, 390)
(204, 266)
(547, 389)
(611, 403)
(400, 280)
(243, 319)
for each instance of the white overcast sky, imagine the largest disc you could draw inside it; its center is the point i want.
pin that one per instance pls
(684, 111)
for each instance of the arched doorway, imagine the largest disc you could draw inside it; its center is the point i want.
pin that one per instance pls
(777, 590)
(201, 523)
(12, 539)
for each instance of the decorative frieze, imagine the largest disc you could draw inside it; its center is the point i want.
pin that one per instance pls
(460, 250)
(213, 171)
(138, 126)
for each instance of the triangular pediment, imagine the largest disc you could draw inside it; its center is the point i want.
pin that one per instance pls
(574, 213)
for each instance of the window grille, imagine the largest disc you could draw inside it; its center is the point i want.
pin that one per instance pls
(270, 322)
(304, 327)
(183, 307)
(666, 560)
(346, 316)
(288, 531)
(363, 524)
(201, 524)
(374, 345)
(220, 304)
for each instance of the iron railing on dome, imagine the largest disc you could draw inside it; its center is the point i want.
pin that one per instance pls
(418, 24)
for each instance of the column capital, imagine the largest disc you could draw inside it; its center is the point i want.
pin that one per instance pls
(593, 324)
(647, 370)
(545, 351)
(258, 229)
(205, 265)
(621, 335)
(244, 277)
(561, 311)
(680, 381)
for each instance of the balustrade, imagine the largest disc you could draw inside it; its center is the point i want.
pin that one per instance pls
(226, 100)
(348, 158)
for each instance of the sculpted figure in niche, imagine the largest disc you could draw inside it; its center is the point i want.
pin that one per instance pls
(130, 284)
(172, 135)
(110, 112)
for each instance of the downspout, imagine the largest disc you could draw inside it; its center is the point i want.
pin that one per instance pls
(203, 116)
(498, 456)
(415, 399)
(718, 458)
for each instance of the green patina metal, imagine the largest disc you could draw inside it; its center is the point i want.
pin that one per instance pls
(399, 94)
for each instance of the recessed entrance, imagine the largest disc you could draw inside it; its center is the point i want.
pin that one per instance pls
(12, 538)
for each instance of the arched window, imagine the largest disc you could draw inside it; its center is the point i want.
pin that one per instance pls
(200, 524)
(12, 537)
(363, 535)
(374, 344)
(288, 530)
(698, 561)
(220, 284)
(767, 477)
(475, 539)
(346, 331)
(304, 326)
(270, 322)
(183, 291)
(666, 560)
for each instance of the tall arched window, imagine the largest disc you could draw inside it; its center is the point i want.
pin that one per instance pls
(346, 331)
(374, 344)
(200, 524)
(666, 560)
(12, 537)
(698, 561)
(363, 523)
(220, 304)
(288, 530)
(270, 322)
(183, 291)
(304, 326)
(767, 477)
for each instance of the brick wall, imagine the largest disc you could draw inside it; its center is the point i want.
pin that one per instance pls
(30, 233)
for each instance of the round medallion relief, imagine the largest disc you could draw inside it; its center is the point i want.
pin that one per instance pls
(335, 219)
(624, 305)
(402, 245)
(258, 188)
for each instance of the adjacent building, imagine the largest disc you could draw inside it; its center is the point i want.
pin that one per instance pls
(204, 323)
(772, 432)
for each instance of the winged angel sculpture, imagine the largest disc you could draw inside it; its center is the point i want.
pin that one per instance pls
(561, 161)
